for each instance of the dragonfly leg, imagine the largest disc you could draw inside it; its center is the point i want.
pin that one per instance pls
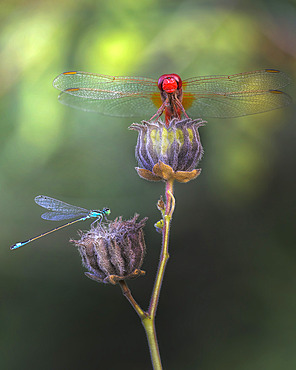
(99, 219)
(159, 112)
(179, 104)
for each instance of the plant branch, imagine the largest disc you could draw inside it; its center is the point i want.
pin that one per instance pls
(149, 326)
(170, 205)
(128, 295)
(148, 318)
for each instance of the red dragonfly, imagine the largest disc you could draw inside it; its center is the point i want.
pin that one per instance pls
(209, 96)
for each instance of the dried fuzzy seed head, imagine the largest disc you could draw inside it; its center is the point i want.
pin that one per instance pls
(172, 152)
(113, 251)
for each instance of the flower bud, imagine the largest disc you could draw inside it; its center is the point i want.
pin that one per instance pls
(172, 152)
(113, 251)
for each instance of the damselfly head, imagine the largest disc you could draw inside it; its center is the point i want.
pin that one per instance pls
(107, 211)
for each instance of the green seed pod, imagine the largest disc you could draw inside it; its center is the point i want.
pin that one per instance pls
(168, 152)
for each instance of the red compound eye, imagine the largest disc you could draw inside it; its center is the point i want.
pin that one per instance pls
(169, 83)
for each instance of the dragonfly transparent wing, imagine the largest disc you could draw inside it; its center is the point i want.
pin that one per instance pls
(266, 79)
(121, 106)
(104, 83)
(55, 216)
(116, 96)
(235, 95)
(58, 206)
(229, 105)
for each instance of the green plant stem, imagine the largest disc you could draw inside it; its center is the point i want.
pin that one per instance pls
(148, 318)
(149, 326)
(164, 250)
(148, 323)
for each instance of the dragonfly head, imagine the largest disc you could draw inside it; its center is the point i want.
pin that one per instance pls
(106, 211)
(169, 83)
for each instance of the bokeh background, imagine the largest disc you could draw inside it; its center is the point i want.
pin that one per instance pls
(229, 295)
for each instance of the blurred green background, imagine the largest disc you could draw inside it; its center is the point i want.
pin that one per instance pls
(229, 295)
